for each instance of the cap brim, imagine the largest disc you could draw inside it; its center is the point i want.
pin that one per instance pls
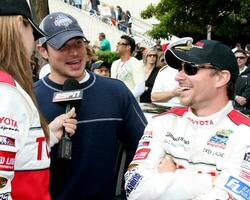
(60, 39)
(37, 32)
(174, 58)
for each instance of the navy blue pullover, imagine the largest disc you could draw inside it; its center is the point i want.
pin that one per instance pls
(108, 113)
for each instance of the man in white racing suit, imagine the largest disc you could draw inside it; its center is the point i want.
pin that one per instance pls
(201, 151)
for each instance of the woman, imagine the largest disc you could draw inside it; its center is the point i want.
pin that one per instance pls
(24, 134)
(150, 72)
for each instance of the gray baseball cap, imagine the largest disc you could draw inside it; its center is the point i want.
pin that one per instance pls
(59, 28)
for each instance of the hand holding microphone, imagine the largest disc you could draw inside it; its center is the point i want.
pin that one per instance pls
(67, 121)
(71, 96)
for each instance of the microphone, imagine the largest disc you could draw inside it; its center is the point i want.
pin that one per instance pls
(71, 96)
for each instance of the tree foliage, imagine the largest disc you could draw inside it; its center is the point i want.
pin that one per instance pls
(229, 19)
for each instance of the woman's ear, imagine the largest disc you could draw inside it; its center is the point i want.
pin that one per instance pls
(19, 19)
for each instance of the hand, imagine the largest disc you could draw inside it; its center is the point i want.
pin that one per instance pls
(177, 91)
(65, 120)
(241, 100)
(167, 164)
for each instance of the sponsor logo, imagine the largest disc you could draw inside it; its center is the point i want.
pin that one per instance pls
(3, 182)
(238, 187)
(7, 123)
(143, 143)
(7, 141)
(220, 139)
(150, 133)
(146, 137)
(7, 160)
(213, 153)
(132, 165)
(41, 148)
(141, 154)
(133, 183)
(68, 95)
(245, 175)
(4, 196)
(201, 122)
(177, 139)
(246, 160)
(130, 172)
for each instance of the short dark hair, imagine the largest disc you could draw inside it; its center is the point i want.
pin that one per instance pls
(130, 41)
(102, 35)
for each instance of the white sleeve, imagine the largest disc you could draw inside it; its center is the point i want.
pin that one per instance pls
(138, 77)
(14, 128)
(139, 89)
(159, 83)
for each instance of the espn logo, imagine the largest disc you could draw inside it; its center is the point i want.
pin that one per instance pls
(67, 95)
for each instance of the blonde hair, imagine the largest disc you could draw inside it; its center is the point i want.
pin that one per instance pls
(14, 59)
(148, 51)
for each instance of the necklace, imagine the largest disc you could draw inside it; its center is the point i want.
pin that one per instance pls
(120, 67)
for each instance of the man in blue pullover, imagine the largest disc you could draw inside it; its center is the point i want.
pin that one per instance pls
(108, 115)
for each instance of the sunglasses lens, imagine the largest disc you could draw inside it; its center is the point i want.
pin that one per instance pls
(190, 68)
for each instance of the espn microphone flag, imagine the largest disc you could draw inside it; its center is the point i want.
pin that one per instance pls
(71, 95)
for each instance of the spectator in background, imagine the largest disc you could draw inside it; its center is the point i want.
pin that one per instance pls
(128, 21)
(128, 69)
(103, 44)
(118, 13)
(165, 89)
(108, 115)
(94, 7)
(158, 45)
(113, 15)
(150, 72)
(122, 24)
(242, 87)
(91, 56)
(101, 68)
(161, 62)
(78, 4)
(198, 152)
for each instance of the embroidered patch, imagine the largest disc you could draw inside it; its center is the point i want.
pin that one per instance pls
(238, 187)
(141, 154)
(219, 140)
(133, 183)
(246, 161)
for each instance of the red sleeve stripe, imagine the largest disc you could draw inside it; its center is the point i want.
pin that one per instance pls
(239, 118)
(6, 78)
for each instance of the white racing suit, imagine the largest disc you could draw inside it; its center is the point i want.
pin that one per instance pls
(24, 155)
(202, 147)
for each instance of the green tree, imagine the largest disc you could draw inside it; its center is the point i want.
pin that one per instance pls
(227, 19)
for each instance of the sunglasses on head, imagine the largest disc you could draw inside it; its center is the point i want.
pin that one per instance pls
(192, 69)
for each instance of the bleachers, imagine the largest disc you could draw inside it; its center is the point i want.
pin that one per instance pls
(94, 24)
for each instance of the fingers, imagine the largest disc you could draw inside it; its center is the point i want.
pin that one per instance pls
(71, 113)
(70, 126)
